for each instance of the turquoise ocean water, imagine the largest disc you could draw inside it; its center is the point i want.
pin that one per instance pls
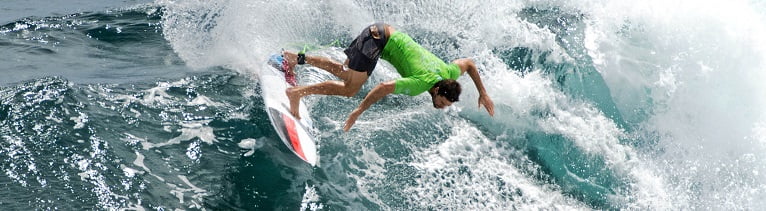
(141, 105)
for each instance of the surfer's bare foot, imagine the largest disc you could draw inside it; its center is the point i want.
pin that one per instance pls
(292, 60)
(295, 100)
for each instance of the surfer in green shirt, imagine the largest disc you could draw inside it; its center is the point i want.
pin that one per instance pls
(420, 69)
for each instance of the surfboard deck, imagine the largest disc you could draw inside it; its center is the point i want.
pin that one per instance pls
(293, 132)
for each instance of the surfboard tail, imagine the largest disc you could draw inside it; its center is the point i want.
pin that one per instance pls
(292, 134)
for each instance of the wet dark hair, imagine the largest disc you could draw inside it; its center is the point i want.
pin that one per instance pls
(449, 89)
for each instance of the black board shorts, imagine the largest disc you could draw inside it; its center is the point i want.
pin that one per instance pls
(365, 50)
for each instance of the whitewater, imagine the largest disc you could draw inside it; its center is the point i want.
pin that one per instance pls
(656, 105)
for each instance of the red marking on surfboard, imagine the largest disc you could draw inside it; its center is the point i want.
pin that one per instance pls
(292, 133)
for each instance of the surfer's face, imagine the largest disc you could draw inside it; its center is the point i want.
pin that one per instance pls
(440, 102)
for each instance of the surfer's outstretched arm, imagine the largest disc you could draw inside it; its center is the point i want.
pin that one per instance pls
(467, 65)
(374, 96)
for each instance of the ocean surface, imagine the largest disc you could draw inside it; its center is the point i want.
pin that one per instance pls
(142, 105)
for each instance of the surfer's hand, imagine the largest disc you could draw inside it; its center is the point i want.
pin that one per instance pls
(485, 101)
(351, 119)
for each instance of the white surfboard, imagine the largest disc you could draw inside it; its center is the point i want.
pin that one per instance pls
(294, 133)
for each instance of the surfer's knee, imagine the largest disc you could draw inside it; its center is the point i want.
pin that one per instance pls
(389, 30)
(350, 90)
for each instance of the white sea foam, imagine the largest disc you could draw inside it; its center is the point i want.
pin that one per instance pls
(468, 171)
(310, 199)
(189, 130)
(91, 170)
(202, 100)
(195, 193)
(695, 69)
(251, 145)
(371, 175)
(80, 120)
(129, 172)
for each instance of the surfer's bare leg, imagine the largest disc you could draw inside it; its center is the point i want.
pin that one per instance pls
(352, 81)
(341, 88)
(324, 63)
